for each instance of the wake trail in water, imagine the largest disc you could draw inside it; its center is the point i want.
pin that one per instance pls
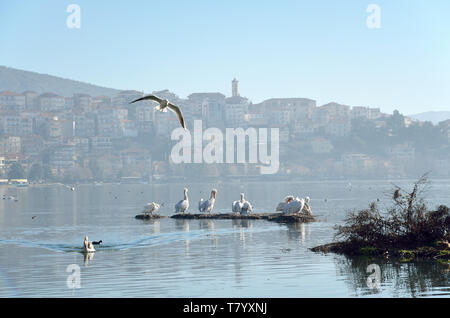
(147, 241)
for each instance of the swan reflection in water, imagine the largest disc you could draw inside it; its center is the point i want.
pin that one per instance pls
(88, 257)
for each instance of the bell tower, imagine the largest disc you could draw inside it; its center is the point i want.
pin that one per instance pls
(234, 88)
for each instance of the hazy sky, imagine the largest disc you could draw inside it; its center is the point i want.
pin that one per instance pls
(316, 49)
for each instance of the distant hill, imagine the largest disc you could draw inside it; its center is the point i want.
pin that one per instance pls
(20, 81)
(433, 116)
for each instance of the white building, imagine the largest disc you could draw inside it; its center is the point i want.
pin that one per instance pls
(49, 102)
(12, 101)
(16, 125)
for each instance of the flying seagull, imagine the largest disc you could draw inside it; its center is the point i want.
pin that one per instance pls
(163, 105)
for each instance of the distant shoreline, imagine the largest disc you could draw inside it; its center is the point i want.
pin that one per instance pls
(226, 181)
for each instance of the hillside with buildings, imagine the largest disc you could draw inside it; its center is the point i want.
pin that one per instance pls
(20, 81)
(78, 137)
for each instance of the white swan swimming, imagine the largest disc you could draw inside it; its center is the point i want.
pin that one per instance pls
(208, 205)
(183, 205)
(294, 206)
(282, 205)
(236, 207)
(88, 247)
(150, 208)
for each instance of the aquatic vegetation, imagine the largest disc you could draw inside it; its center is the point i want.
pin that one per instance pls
(406, 255)
(368, 250)
(407, 229)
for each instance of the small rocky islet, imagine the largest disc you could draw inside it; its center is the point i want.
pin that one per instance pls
(274, 217)
(408, 230)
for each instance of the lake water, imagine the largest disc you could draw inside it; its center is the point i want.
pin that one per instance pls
(196, 258)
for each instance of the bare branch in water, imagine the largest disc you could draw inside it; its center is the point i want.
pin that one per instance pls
(407, 222)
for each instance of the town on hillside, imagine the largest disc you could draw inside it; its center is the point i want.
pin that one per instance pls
(82, 138)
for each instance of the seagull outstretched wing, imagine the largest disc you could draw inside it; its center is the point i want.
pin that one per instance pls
(177, 111)
(151, 97)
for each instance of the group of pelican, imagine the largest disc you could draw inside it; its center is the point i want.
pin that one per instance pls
(291, 205)
(203, 205)
(241, 206)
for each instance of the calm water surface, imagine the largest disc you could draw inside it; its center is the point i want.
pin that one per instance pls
(196, 258)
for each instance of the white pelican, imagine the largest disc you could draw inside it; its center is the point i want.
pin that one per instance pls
(237, 205)
(283, 204)
(163, 105)
(208, 205)
(150, 208)
(246, 207)
(183, 205)
(307, 206)
(295, 206)
(87, 246)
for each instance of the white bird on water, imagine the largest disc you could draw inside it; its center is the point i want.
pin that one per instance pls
(242, 206)
(151, 207)
(246, 207)
(163, 105)
(72, 188)
(282, 205)
(88, 247)
(294, 206)
(183, 205)
(236, 207)
(307, 207)
(208, 205)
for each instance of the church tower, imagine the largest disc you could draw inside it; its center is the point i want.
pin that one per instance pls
(234, 88)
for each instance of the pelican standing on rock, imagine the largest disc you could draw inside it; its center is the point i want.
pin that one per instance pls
(295, 206)
(208, 205)
(282, 205)
(150, 208)
(163, 105)
(183, 205)
(246, 207)
(237, 205)
(307, 207)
